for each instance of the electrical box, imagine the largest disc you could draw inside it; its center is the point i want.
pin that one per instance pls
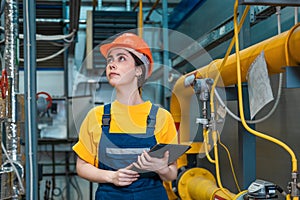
(271, 2)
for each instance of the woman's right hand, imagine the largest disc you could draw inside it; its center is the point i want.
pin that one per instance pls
(124, 176)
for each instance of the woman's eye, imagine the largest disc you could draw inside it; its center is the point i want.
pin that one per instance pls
(109, 60)
(121, 58)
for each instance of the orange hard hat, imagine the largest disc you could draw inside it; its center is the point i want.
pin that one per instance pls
(133, 43)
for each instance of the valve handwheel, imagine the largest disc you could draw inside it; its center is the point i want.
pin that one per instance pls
(4, 84)
(48, 98)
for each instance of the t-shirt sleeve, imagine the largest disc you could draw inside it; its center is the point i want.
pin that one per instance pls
(167, 132)
(89, 135)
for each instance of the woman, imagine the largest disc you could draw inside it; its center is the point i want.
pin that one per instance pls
(114, 139)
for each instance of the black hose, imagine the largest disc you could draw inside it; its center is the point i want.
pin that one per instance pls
(279, 189)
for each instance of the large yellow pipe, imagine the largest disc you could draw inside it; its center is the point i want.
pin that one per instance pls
(199, 183)
(274, 50)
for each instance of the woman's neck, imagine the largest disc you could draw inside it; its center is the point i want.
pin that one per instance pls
(129, 97)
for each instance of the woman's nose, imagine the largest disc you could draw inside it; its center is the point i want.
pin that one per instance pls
(112, 66)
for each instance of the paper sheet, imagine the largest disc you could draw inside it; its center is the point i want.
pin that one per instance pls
(259, 88)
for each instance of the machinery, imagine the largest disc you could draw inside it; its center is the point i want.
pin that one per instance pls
(199, 183)
(206, 83)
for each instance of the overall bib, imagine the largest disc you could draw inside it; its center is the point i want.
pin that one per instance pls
(118, 150)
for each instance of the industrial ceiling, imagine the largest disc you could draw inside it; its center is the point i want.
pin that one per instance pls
(54, 17)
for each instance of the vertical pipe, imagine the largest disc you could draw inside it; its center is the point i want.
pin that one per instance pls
(11, 65)
(128, 5)
(99, 7)
(296, 15)
(165, 52)
(247, 141)
(140, 21)
(30, 99)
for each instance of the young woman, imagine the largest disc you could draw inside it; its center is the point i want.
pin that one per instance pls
(114, 139)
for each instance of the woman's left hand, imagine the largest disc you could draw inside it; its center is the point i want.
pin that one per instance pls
(158, 165)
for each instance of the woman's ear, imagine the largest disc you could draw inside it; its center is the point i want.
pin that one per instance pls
(138, 71)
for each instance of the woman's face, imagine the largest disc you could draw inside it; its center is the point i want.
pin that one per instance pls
(120, 68)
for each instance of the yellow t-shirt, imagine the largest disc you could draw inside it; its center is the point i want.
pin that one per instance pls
(131, 119)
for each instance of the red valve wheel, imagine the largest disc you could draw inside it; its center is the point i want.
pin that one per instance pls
(48, 98)
(4, 84)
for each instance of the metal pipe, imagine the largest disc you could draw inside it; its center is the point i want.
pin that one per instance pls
(165, 52)
(11, 65)
(12, 69)
(30, 98)
(128, 6)
(99, 7)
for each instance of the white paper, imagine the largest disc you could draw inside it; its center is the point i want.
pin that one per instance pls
(259, 88)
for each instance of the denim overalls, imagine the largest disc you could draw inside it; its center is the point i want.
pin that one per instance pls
(120, 150)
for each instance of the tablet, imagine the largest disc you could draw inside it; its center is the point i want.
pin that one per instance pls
(175, 151)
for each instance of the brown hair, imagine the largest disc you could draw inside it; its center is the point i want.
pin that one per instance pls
(139, 63)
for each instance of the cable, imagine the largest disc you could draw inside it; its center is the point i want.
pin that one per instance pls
(51, 56)
(215, 138)
(225, 60)
(230, 161)
(52, 37)
(234, 116)
(14, 168)
(206, 142)
(2, 28)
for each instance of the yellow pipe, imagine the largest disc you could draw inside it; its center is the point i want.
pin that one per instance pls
(199, 183)
(140, 22)
(274, 49)
(212, 107)
(240, 97)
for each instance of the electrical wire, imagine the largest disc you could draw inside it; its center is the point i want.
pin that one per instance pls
(206, 143)
(51, 56)
(234, 116)
(54, 38)
(214, 132)
(12, 163)
(217, 164)
(40, 37)
(231, 163)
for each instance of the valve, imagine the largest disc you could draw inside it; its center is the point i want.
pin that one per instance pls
(202, 89)
(43, 103)
(294, 186)
(4, 84)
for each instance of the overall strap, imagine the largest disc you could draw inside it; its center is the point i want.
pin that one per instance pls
(106, 117)
(151, 120)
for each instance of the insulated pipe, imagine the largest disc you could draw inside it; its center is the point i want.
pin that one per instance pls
(274, 49)
(11, 65)
(12, 69)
